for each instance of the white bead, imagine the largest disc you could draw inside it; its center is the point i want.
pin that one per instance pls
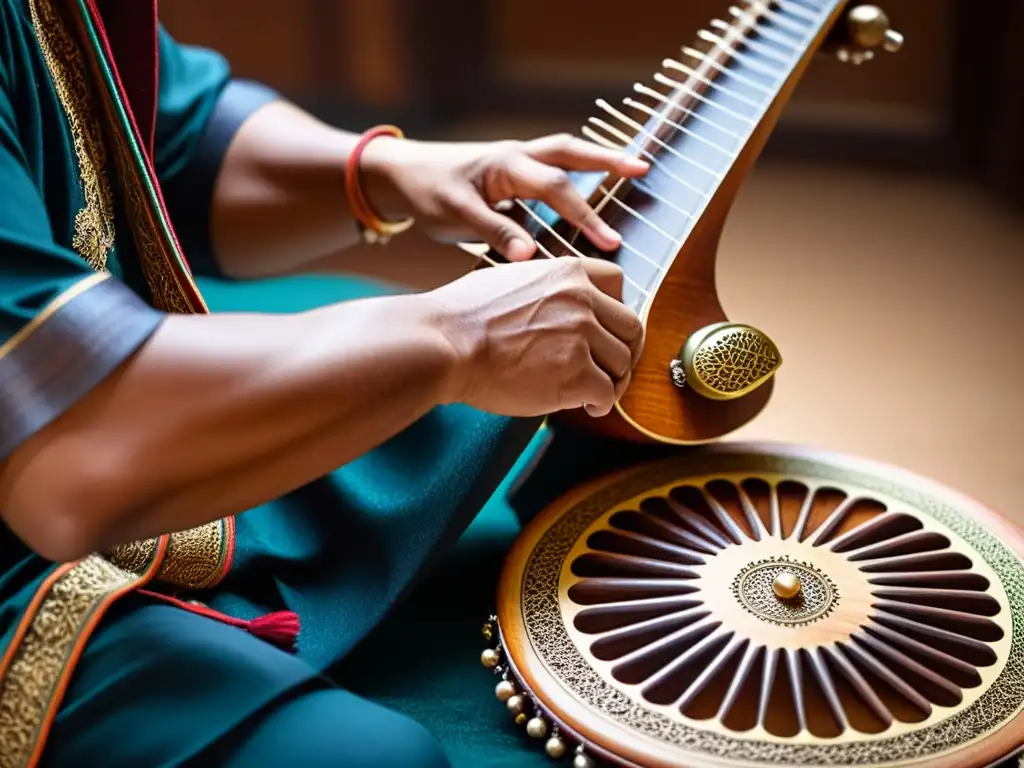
(516, 704)
(504, 690)
(582, 761)
(537, 728)
(555, 747)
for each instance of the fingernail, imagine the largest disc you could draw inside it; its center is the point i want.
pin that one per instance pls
(519, 250)
(610, 235)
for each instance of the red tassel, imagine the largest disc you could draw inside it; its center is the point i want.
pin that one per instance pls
(280, 628)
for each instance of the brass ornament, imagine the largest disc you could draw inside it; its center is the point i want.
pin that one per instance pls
(786, 585)
(785, 591)
(536, 728)
(490, 658)
(516, 704)
(504, 691)
(869, 28)
(555, 748)
(725, 361)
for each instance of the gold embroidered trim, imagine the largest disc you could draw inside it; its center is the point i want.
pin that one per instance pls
(149, 241)
(28, 688)
(195, 557)
(94, 224)
(134, 557)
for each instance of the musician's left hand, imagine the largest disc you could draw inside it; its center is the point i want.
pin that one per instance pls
(452, 188)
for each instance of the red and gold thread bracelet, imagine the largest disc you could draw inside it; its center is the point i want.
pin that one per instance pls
(372, 227)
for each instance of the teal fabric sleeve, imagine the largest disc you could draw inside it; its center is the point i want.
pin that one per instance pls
(200, 107)
(63, 327)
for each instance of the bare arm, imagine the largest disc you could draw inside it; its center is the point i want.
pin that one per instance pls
(279, 204)
(280, 207)
(216, 414)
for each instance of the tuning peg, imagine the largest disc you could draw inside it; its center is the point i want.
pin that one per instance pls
(870, 28)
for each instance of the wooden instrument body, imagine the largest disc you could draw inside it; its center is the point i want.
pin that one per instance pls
(654, 409)
(926, 582)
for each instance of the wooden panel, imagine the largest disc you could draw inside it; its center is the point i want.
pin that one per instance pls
(374, 54)
(592, 42)
(265, 40)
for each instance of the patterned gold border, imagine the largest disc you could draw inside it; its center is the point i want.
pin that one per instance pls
(35, 670)
(94, 225)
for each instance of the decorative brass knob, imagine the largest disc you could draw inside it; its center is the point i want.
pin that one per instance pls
(725, 361)
(867, 29)
(787, 585)
(870, 27)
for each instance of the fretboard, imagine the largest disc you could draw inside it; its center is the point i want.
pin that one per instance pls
(692, 123)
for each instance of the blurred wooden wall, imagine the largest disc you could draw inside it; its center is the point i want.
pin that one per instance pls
(433, 62)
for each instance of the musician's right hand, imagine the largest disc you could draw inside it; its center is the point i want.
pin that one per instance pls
(540, 336)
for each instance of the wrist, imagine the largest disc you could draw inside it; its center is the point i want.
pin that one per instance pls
(456, 347)
(379, 168)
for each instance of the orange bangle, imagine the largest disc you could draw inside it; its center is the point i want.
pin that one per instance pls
(372, 227)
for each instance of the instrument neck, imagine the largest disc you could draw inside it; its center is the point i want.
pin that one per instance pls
(701, 114)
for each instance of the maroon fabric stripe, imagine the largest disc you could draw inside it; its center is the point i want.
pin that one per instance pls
(131, 32)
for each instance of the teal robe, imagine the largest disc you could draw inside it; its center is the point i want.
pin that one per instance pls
(106, 175)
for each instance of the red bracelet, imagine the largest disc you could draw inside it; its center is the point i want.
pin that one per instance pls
(372, 227)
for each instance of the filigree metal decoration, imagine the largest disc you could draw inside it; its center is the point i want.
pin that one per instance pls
(727, 360)
(818, 596)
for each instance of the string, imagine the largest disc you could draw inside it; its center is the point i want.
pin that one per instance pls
(755, 45)
(664, 80)
(739, 55)
(693, 53)
(712, 84)
(572, 249)
(655, 161)
(766, 10)
(679, 127)
(637, 127)
(755, 24)
(659, 96)
(639, 216)
(797, 10)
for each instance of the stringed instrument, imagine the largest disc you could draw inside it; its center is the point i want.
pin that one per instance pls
(701, 124)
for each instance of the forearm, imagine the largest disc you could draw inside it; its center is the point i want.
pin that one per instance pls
(279, 203)
(413, 261)
(216, 414)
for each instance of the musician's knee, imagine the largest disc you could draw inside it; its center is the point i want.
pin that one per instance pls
(334, 727)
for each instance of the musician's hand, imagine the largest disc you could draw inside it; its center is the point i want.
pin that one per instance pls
(539, 337)
(452, 188)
